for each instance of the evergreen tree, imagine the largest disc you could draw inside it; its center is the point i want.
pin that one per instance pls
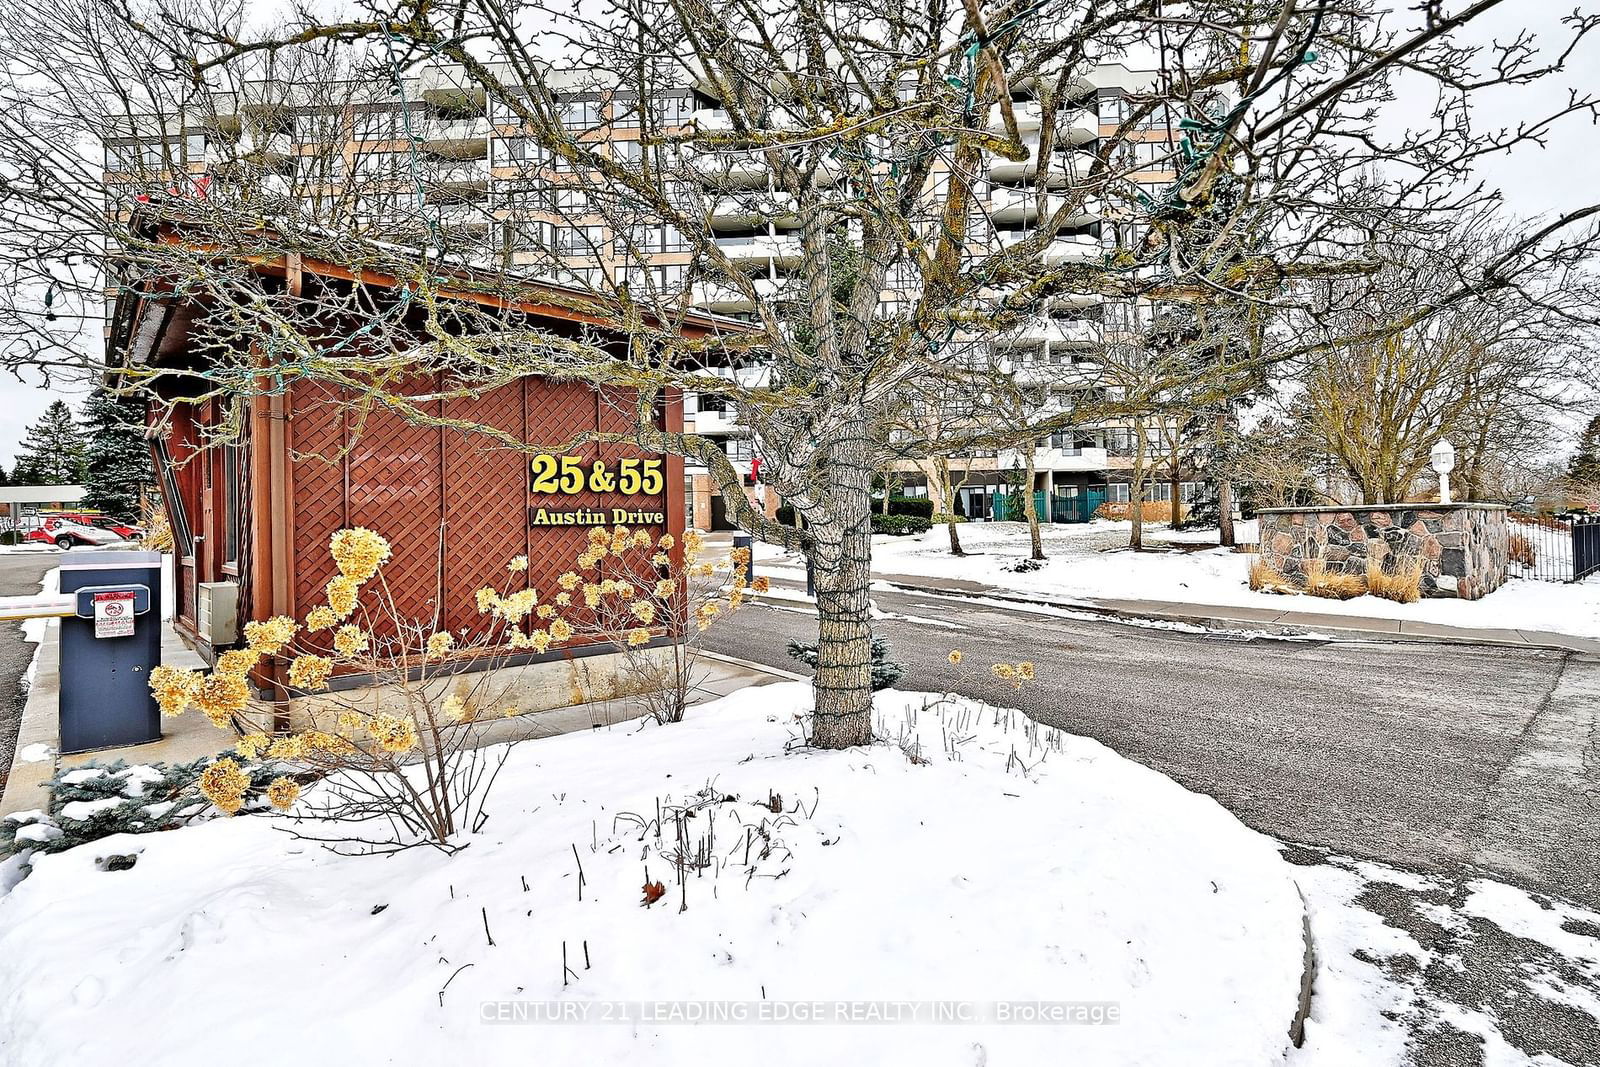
(1585, 466)
(117, 458)
(52, 451)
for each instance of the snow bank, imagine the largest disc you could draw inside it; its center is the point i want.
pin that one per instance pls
(973, 857)
(1089, 562)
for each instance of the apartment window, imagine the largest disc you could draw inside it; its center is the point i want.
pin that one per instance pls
(672, 110)
(528, 236)
(528, 194)
(627, 151)
(1113, 110)
(713, 402)
(317, 129)
(376, 126)
(738, 447)
(1117, 492)
(578, 240)
(624, 111)
(524, 151)
(573, 201)
(579, 114)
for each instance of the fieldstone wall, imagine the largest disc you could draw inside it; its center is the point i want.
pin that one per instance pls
(1463, 547)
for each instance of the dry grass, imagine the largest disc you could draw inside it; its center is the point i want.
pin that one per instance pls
(1400, 581)
(1334, 586)
(1265, 578)
(1521, 550)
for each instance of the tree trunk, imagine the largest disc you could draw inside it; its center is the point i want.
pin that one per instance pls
(842, 551)
(1031, 508)
(950, 508)
(1225, 513)
(1136, 489)
(1174, 488)
(1219, 473)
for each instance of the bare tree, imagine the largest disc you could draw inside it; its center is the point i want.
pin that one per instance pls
(874, 127)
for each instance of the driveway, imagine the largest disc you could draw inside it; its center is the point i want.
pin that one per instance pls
(20, 574)
(1437, 757)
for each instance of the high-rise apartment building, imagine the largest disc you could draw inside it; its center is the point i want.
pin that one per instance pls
(431, 160)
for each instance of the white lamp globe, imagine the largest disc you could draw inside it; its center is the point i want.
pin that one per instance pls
(1443, 457)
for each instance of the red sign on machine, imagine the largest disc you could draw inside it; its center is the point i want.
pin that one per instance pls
(113, 614)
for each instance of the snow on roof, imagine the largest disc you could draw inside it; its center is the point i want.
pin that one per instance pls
(40, 494)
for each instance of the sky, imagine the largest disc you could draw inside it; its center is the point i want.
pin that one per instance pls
(1536, 180)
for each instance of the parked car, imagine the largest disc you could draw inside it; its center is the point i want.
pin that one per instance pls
(70, 531)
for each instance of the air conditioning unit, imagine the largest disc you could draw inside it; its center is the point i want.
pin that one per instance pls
(217, 613)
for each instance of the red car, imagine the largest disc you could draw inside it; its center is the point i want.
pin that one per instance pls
(69, 529)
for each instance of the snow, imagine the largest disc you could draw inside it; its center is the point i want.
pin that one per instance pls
(80, 810)
(1372, 990)
(37, 833)
(972, 857)
(38, 752)
(31, 815)
(1089, 562)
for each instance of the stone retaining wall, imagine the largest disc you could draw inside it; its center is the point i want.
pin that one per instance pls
(1463, 547)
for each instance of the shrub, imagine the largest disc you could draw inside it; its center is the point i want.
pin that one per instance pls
(885, 671)
(900, 524)
(1522, 551)
(99, 800)
(1399, 580)
(911, 505)
(1265, 578)
(1334, 586)
(785, 514)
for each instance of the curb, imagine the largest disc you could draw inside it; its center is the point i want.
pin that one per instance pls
(751, 665)
(1213, 622)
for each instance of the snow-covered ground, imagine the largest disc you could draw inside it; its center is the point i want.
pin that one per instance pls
(1090, 562)
(972, 859)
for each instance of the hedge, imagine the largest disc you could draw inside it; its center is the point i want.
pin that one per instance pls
(900, 524)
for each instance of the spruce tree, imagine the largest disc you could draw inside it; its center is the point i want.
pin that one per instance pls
(117, 458)
(1585, 465)
(52, 451)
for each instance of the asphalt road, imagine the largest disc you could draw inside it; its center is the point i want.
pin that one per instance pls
(1448, 758)
(20, 573)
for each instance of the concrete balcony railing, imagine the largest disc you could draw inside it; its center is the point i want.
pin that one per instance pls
(711, 119)
(461, 139)
(1070, 459)
(779, 251)
(1074, 248)
(1074, 126)
(1021, 204)
(730, 300)
(1067, 165)
(753, 209)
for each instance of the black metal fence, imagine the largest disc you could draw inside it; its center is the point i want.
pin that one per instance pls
(1555, 549)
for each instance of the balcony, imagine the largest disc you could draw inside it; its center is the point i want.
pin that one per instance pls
(734, 171)
(1075, 248)
(1067, 164)
(752, 210)
(1070, 459)
(726, 299)
(1074, 126)
(754, 253)
(461, 139)
(1018, 204)
(711, 120)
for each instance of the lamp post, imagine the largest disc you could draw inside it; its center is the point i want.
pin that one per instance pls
(1443, 460)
